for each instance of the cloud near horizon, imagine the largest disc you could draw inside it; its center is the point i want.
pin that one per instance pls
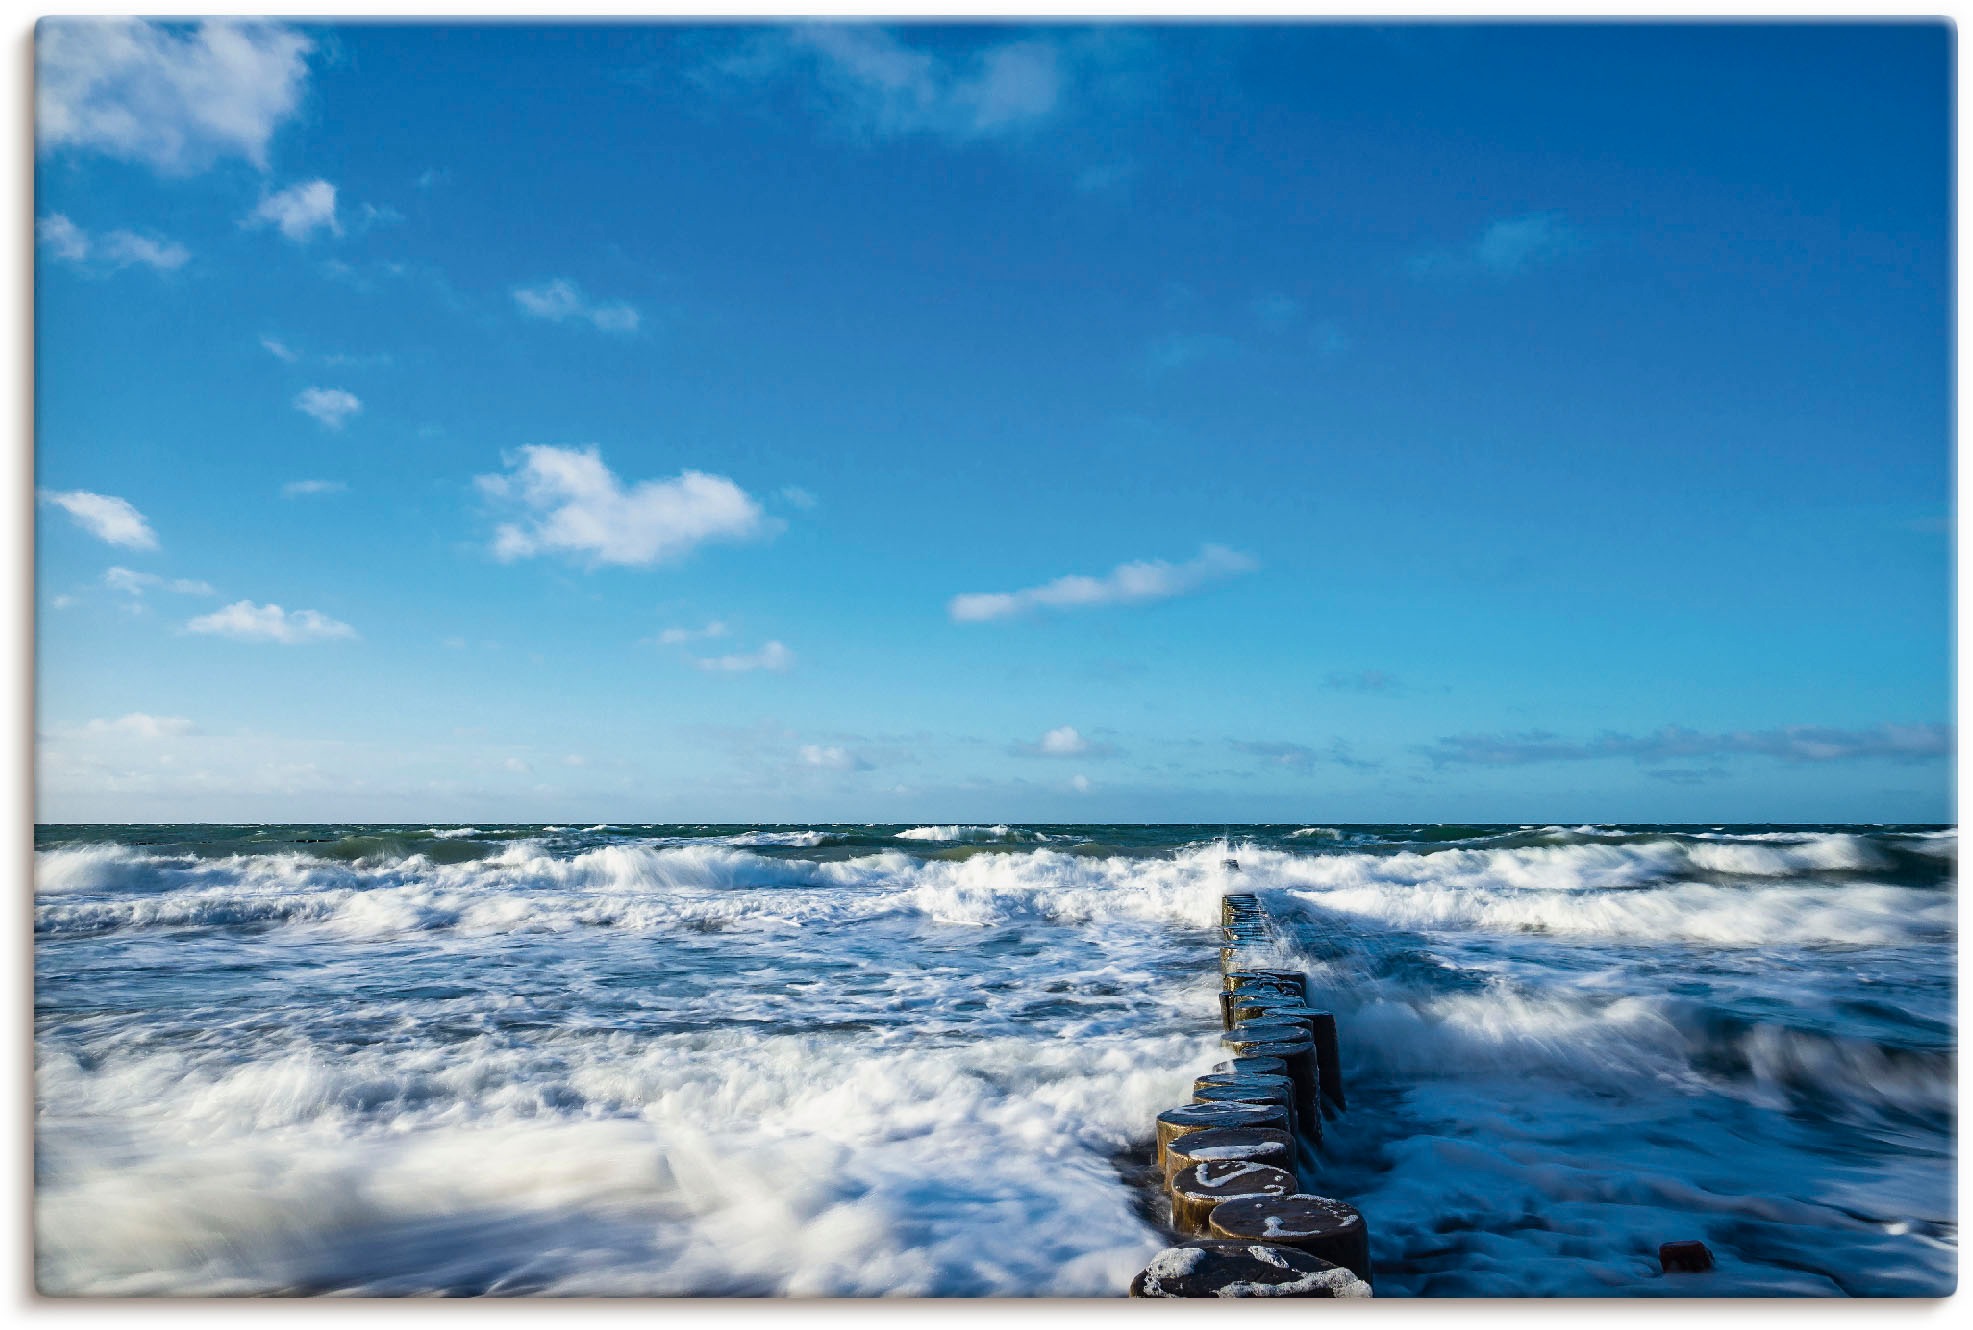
(1126, 584)
(575, 505)
(1065, 741)
(1792, 743)
(247, 622)
(773, 656)
(105, 517)
(176, 97)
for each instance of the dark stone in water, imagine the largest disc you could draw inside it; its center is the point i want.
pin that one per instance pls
(1209, 1269)
(1685, 1258)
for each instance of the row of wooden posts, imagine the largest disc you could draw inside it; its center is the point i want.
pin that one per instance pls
(1235, 1159)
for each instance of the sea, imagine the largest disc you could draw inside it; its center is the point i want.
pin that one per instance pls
(925, 1061)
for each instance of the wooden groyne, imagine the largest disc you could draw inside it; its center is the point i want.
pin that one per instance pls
(1239, 1161)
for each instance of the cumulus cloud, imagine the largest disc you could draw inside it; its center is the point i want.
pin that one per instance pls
(1126, 584)
(137, 725)
(119, 249)
(1792, 743)
(873, 83)
(575, 505)
(105, 517)
(1504, 248)
(560, 300)
(832, 758)
(175, 96)
(298, 211)
(1065, 741)
(296, 489)
(773, 656)
(331, 406)
(673, 636)
(135, 583)
(249, 622)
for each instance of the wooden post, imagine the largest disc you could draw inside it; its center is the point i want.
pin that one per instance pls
(1332, 1230)
(1259, 1145)
(1176, 1122)
(1209, 1269)
(1199, 1189)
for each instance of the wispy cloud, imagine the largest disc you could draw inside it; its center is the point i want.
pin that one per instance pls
(331, 406)
(1065, 741)
(118, 249)
(297, 489)
(1504, 248)
(875, 84)
(573, 504)
(773, 657)
(298, 211)
(561, 300)
(175, 97)
(832, 758)
(248, 622)
(1301, 757)
(1176, 351)
(280, 350)
(674, 636)
(1126, 584)
(1361, 681)
(796, 495)
(138, 725)
(1792, 743)
(133, 583)
(105, 517)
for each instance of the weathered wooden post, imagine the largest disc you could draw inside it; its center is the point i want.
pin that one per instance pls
(1330, 1229)
(1259, 1145)
(1199, 1189)
(1209, 1269)
(1176, 1122)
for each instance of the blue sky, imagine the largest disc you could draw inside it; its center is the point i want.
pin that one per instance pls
(1303, 423)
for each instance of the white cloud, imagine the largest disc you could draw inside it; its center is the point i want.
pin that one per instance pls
(515, 765)
(561, 300)
(123, 248)
(673, 636)
(331, 406)
(299, 210)
(773, 656)
(575, 760)
(280, 350)
(832, 758)
(576, 505)
(296, 489)
(877, 84)
(249, 622)
(1081, 784)
(105, 517)
(119, 249)
(174, 96)
(136, 584)
(63, 238)
(797, 496)
(1127, 583)
(1063, 742)
(137, 725)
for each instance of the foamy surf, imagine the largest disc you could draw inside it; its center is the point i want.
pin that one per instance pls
(857, 1060)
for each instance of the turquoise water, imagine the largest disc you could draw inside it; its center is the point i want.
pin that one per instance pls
(886, 1059)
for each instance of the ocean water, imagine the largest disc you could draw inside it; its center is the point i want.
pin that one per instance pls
(865, 1060)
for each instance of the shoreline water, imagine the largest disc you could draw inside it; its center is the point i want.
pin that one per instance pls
(839, 1059)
